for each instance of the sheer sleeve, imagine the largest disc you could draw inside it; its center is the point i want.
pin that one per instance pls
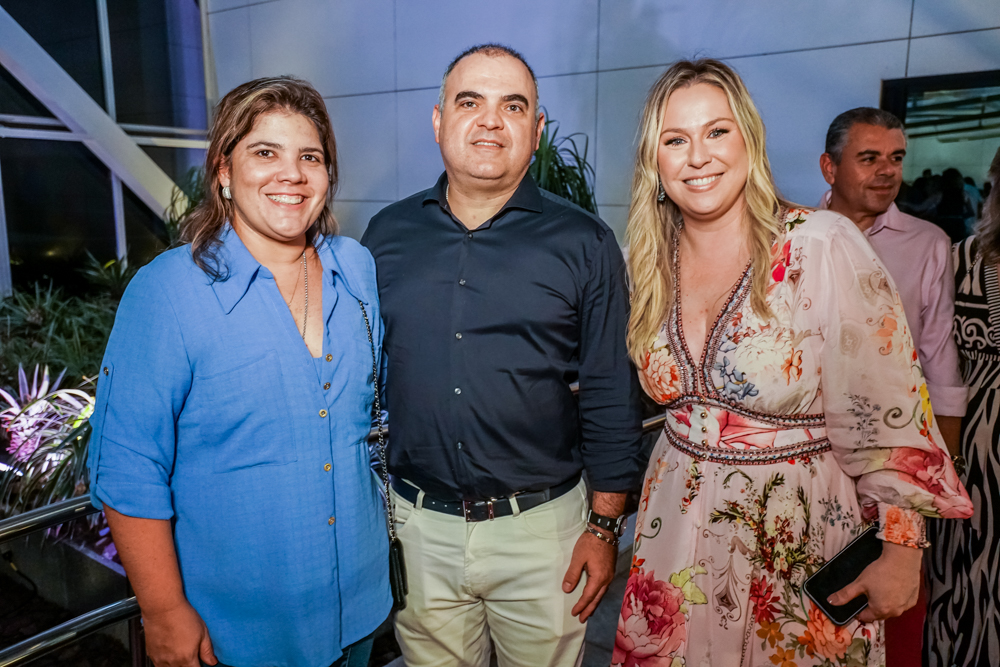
(878, 411)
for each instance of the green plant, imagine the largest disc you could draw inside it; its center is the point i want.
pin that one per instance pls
(45, 326)
(186, 196)
(562, 168)
(48, 432)
(112, 276)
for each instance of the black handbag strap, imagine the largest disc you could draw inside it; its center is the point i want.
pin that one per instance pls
(390, 513)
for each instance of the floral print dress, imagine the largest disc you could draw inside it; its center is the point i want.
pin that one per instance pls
(780, 443)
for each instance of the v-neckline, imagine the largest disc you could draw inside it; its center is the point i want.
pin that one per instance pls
(702, 374)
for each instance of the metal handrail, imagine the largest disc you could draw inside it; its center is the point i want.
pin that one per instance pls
(44, 517)
(70, 631)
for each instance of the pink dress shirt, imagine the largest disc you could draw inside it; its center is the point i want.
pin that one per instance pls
(917, 254)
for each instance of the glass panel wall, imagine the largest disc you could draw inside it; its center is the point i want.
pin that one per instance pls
(57, 198)
(953, 132)
(67, 30)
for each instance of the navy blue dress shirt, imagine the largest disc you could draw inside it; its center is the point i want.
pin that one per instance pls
(212, 413)
(485, 331)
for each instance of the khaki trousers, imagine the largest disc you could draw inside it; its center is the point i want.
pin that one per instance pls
(499, 580)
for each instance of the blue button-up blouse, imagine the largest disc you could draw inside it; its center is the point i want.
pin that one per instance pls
(212, 413)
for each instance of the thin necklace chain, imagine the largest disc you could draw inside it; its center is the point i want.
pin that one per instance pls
(447, 199)
(305, 311)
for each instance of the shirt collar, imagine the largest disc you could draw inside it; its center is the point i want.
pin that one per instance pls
(240, 268)
(527, 196)
(891, 219)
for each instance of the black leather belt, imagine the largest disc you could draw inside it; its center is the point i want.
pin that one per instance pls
(482, 510)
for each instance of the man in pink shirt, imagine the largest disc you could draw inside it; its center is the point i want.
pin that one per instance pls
(863, 164)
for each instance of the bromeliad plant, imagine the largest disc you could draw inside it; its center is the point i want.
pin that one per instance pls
(47, 430)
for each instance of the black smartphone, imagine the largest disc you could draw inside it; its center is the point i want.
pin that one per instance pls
(841, 570)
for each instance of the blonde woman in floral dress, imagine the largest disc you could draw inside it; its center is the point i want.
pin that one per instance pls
(796, 408)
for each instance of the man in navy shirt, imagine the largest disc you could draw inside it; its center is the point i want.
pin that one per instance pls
(496, 298)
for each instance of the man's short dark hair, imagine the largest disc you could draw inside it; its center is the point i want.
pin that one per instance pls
(836, 136)
(491, 50)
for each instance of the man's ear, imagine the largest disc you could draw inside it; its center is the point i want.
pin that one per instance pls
(436, 120)
(539, 126)
(828, 167)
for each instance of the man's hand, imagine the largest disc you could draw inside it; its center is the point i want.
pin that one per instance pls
(891, 583)
(598, 558)
(178, 638)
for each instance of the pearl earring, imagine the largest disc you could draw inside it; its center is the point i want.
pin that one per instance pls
(229, 195)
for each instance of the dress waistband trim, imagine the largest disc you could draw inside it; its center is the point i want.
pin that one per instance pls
(747, 456)
(742, 436)
(776, 421)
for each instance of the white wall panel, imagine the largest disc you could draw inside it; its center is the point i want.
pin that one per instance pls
(651, 32)
(365, 127)
(353, 216)
(419, 156)
(231, 47)
(621, 96)
(222, 5)
(572, 100)
(342, 48)
(931, 17)
(951, 54)
(555, 36)
(799, 94)
(387, 145)
(617, 219)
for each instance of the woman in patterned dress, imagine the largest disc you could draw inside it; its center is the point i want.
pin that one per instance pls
(963, 567)
(796, 409)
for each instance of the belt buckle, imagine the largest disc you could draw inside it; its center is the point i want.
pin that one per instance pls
(467, 508)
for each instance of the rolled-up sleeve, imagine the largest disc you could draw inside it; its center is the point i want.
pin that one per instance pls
(609, 392)
(145, 377)
(938, 351)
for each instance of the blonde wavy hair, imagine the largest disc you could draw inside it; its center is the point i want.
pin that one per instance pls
(653, 226)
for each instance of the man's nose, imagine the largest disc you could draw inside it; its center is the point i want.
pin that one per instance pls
(888, 167)
(490, 118)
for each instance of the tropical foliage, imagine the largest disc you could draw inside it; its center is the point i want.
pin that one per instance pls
(562, 168)
(45, 326)
(47, 431)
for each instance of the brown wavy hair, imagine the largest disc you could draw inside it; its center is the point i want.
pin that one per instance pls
(234, 119)
(988, 229)
(654, 226)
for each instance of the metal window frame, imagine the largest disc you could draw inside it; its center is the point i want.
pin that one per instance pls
(6, 282)
(80, 118)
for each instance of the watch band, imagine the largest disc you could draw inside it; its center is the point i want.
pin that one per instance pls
(960, 464)
(615, 526)
(613, 541)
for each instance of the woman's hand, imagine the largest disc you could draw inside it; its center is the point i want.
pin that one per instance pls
(175, 634)
(178, 638)
(891, 583)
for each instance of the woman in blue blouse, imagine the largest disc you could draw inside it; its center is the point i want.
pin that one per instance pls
(233, 408)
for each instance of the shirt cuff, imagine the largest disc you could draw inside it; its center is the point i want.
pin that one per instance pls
(902, 526)
(948, 401)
